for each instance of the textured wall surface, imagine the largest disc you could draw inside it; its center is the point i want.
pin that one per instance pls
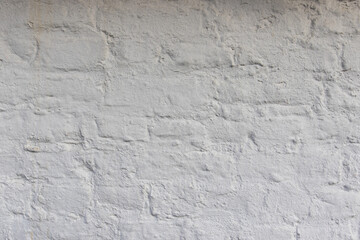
(188, 119)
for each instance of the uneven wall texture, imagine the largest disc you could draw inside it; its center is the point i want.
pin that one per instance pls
(187, 119)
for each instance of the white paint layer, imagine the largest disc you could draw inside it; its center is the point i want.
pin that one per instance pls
(194, 119)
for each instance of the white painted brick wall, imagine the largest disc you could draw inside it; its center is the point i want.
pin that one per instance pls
(191, 119)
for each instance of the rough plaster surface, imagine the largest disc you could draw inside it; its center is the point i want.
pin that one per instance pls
(194, 119)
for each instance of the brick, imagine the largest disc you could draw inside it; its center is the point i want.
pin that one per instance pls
(71, 51)
(123, 128)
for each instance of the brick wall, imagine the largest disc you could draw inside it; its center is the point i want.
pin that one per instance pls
(192, 119)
